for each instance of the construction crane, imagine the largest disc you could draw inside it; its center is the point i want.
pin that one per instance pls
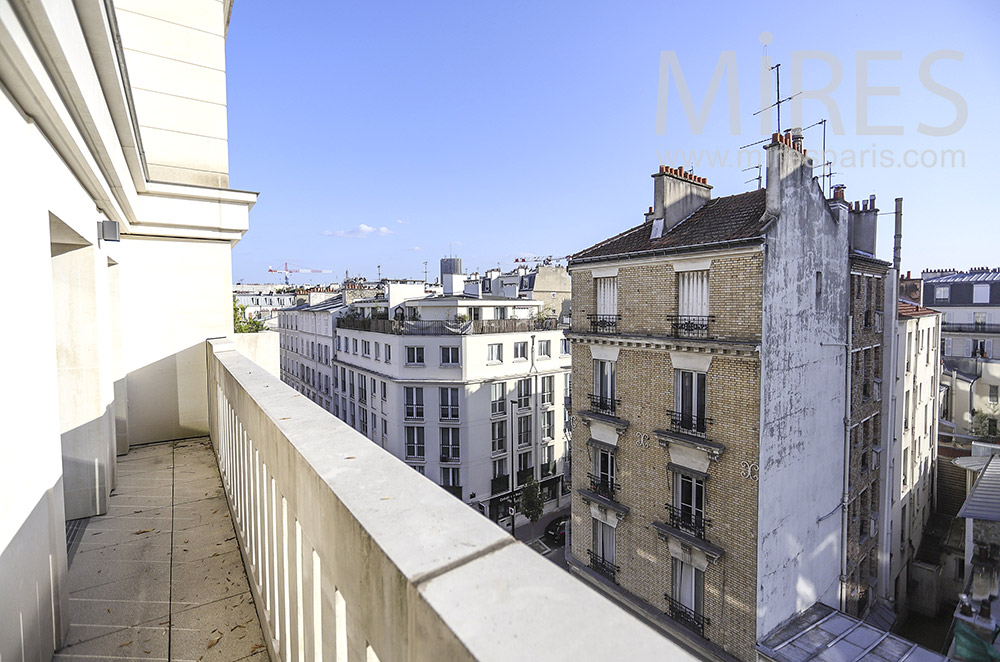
(287, 271)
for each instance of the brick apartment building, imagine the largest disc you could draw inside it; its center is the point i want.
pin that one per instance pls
(726, 371)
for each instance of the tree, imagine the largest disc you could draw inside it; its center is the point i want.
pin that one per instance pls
(531, 500)
(984, 424)
(240, 322)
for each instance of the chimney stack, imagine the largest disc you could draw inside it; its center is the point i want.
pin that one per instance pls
(676, 195)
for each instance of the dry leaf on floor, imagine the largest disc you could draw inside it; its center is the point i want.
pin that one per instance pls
(214, 641)
(256, 647)
(127, 643)
(140, 531)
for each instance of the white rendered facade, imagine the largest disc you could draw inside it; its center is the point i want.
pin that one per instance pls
(109, 113)
(468, 404)
(913, 452)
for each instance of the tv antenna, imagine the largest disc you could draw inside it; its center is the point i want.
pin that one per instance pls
(777, 95)
(758, 178)
(823, 177)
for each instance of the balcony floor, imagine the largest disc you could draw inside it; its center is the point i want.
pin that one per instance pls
(160, 576)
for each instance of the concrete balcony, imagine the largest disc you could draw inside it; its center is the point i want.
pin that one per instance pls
(352, 555)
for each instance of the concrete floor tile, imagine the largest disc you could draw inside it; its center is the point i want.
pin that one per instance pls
(163, 565)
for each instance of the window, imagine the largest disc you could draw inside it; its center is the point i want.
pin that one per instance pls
(524, 462)
(568, 385)
(362, 391)
(414, 442)
(545, 348)
(494, 353)
(363, 415)
(501, 313)
(377, 345)
(449, 403)
(450, 445)
(603, 548)
(994, 393)
(384, 391)
(521, 350)
(366, 348)
(500, 468)
(413, 397)
(414, 355)
(524, 393)
(689, 500)
(388, 353)
(476, 313)
(451, 477)
(548, 423)
(498, 395)
(350, 387)
(354, 345)
(548, 383)
(524, 431)
(981, 293)
(449, 356)
(689, 401)
(942, 293)
(352, 420)
(688, 589)
(603, 398)
(607, 295)
(692, 293)
(419, 468)
(499, 435)
(564, 346)
(604, 468)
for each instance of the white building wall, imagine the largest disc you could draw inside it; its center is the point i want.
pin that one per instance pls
(803, 391)
(101, 364)
(914, 454)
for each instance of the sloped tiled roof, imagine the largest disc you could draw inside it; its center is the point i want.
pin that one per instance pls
(907, 309)
(731, 218)
(978, 276)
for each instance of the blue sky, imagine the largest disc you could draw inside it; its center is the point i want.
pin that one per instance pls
(393, 134)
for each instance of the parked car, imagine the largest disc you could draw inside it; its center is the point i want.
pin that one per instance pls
(555, 532)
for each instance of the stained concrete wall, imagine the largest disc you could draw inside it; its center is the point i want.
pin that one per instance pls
(803, 394)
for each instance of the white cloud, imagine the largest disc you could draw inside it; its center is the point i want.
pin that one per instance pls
(401, 221)
(415, 248)
(361, 232)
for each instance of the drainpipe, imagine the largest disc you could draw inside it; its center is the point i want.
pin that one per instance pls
(847, 466)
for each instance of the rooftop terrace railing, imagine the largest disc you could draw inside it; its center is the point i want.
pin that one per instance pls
(445, 327)
(352, 555)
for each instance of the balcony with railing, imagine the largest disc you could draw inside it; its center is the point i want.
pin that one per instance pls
(686, 616)
(454, 490)
(446, 327)
(602, 566)
(604, 323)
(686, 519)
(604, 486)
(689, 423)
(327, 520)
(970, 327)
(548, 469)
(500, 484)
(600, 404)
(691, 326)
(524, 474)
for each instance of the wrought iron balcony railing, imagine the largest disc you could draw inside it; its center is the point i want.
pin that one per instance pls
(445, 327)
(548, 469)
(604, 486)
(970, 327)
(455, 490)
(604, 323)
(691, 326)
(688, 520)
(686, 616)
(602, 565)
(604, 405)
(689, 423)
(450, 456)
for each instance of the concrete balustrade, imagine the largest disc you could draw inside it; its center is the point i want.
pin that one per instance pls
(353, 556)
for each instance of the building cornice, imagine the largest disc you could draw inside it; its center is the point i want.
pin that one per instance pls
(660, 255)
(668, 344)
